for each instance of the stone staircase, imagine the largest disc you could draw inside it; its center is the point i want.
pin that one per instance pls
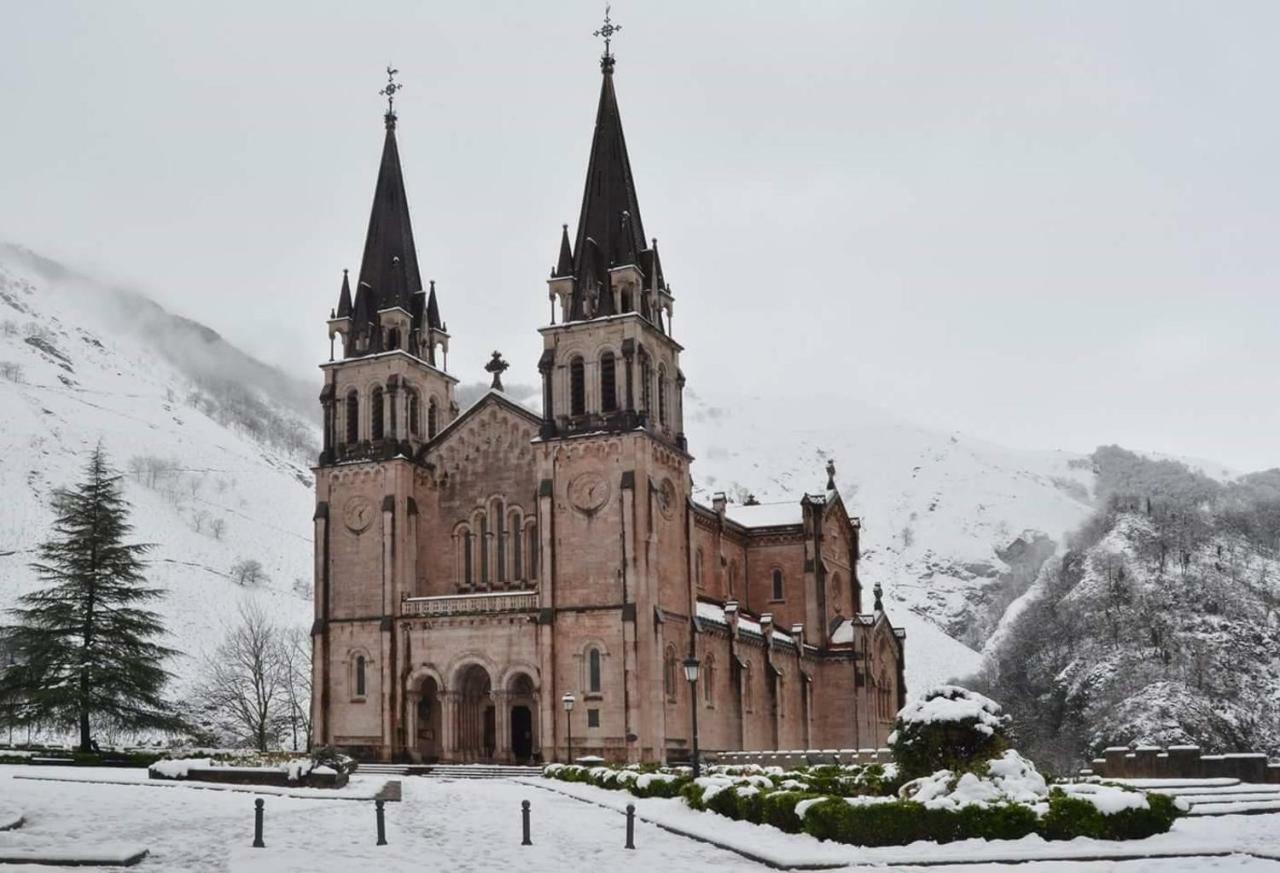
(451, 771)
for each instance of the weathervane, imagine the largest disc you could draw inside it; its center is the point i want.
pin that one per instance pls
(607, 30)
(389, 90)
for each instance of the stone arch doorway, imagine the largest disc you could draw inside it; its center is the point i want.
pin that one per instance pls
(521, 705)
(476, 723)
(427, 721)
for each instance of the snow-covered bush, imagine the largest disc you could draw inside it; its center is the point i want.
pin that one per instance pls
(1106, 812)
(950, 728)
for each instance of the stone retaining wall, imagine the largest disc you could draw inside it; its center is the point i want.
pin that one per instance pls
(804, 757)
(1182, 762)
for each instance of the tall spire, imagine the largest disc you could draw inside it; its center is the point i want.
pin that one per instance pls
(610, 232)
(389, 268)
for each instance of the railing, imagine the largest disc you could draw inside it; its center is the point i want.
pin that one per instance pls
(471, 604)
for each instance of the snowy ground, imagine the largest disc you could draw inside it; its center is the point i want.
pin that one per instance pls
(475, 826)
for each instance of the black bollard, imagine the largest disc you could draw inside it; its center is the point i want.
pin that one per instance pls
(257, 824)
(631, 826)
(382, 824)
(524, 816)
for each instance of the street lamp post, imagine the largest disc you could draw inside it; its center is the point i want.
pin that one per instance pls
(567, 701)
(691, 673)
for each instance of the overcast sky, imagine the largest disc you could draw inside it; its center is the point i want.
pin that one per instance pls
(1052, 225)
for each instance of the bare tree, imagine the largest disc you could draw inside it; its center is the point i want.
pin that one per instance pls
(248, 573)
(295, 658)
(218, 527)
(244, 684)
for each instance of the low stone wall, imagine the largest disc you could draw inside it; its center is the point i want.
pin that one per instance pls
(257, 776)
(804, 757)
(1182, 762)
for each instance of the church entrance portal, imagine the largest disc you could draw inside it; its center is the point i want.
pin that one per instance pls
(521, 734)
(475, 732)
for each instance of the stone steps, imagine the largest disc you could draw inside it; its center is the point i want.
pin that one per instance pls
(451, 771)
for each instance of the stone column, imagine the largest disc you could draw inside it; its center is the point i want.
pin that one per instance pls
(449, 725)
(501, 725)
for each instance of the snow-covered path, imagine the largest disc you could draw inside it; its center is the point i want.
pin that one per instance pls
(464, 826)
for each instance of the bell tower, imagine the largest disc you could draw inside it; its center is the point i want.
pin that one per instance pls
(386, 395)
(613, 462)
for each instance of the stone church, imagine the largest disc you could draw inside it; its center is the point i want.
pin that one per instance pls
(474, 567)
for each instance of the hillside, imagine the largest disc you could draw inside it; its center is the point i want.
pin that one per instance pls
(212, 441)
(1160, 624)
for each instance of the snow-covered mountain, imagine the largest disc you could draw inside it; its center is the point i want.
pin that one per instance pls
(214, 445)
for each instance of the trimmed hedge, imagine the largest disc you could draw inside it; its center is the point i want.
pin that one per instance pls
(1076, 817)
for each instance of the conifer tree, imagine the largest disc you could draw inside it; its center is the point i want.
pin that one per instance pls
(84, 645)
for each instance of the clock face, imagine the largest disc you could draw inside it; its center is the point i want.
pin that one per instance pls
(358, 514)
(667, 498)
(589, 492)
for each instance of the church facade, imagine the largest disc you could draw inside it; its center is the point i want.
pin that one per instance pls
(473, 568)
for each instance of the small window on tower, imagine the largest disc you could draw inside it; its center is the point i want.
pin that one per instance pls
(353, 417)
(360, 677)
(375, 413)
(593, 718)
(577, 387)
(608, 383)
(777, 585)
(431, 419)
(414, 413)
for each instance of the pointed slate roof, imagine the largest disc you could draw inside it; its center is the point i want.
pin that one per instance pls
(564, 264)
(610, 215)
(344, 297)
(433, 310)
(390, 263)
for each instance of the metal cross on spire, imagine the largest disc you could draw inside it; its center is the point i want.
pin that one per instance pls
(389, 90)
(607, 30)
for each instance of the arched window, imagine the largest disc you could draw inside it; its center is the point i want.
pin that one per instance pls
(777, 585)
(697, 568)
(353, 417)
(468, 565)
(608, 383)
(593, 670)
(662, 394)
(375, 413)
(414, 413)
(532, 551)
(517, 547)
(709, 680)
(669, 673)
(392, 407)
(577, 387)
(360, 678)
(393, 338)
(431, 419)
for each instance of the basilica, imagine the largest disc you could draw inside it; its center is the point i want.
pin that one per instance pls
(499, 584)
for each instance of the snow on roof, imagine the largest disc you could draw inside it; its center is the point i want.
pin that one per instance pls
(765, 514)
(714, 612)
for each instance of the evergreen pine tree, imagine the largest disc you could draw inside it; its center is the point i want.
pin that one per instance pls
(84, 645)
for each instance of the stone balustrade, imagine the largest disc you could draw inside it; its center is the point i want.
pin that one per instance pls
(479, 603)
(1182, 762)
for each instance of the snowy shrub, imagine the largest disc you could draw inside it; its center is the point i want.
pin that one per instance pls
(950, 728)
(328, 756)
(1106, 815)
